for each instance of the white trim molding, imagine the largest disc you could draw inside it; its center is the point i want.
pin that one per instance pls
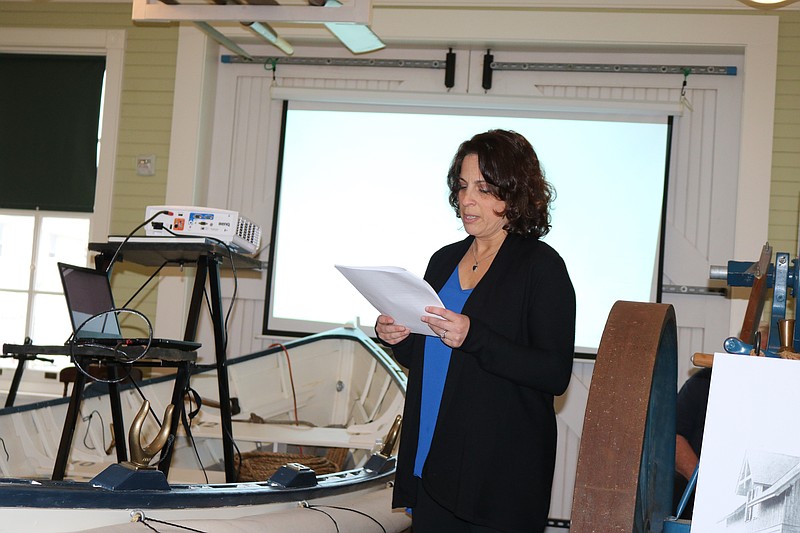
(470, 101)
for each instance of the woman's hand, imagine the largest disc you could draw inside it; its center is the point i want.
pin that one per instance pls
(451, 327)
(389, 332)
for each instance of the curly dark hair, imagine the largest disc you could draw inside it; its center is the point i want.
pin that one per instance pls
(510, 165)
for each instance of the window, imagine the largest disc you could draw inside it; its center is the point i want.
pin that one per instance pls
(31, 301)
(57, 102)
(32, 241)
(753, 510)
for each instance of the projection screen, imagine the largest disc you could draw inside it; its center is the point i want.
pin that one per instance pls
(366, 186)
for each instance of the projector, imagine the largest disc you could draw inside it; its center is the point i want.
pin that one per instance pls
(220, 224)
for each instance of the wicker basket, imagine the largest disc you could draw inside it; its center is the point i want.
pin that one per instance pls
(259, 466)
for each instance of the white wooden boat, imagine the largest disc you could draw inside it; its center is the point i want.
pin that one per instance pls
(335, 394)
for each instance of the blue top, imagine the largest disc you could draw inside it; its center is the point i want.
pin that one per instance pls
(434, 373)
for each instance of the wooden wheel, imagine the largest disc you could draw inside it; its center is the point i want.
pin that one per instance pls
(625, 474)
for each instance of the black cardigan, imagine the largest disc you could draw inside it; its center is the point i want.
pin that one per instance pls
(492, 457)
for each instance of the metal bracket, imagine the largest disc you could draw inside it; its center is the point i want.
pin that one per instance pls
(615, 68)
(689, 289)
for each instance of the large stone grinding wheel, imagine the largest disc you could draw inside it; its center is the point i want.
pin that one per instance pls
(625, 473)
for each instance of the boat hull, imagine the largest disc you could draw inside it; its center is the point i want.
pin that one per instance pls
(60, 507)
(335, 390)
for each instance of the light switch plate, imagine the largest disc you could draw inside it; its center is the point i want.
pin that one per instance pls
(145, 165)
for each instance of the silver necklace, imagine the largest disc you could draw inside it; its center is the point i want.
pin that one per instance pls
(475, 257)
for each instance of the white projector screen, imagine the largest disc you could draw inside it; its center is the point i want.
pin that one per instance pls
(367, 187)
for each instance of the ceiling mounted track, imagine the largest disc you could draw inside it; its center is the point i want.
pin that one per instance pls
(495, 65)
(339, 62)
(614, 68)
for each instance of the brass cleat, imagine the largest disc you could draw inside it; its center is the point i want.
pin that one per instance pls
(382, 461)
(391, 436)
(142, 455)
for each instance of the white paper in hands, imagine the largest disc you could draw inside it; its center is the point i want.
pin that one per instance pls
(396, 292)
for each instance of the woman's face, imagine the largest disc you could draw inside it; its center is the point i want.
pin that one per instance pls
(477, 205)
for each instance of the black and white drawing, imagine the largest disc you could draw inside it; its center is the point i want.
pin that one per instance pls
(769, 483)
(749, 477)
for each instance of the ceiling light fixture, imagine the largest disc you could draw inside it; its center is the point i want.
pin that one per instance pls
(209, 30)
(767, 4)
(348, 20)
(266, 32)
(358, 38)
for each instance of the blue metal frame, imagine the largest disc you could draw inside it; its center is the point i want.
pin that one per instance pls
(783, 276)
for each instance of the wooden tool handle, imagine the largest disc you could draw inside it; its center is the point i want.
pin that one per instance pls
(706, 360)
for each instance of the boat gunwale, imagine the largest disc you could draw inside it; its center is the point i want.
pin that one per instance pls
(17, 492)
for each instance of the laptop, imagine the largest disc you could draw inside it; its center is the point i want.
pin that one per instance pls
(88, 293)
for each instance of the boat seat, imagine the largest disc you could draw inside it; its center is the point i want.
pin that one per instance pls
(67, 375)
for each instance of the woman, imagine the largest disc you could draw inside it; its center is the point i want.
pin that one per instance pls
(477, 450)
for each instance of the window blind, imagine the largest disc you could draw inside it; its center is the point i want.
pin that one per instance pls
(49, 117)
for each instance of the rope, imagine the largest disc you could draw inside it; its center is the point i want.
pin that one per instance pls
(102, 429)
(139, 516)
(186, 420)
(335, 524)
(319, 508)
(291, 381)
(356, 511)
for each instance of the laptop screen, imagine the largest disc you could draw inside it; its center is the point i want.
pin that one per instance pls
(88, 292)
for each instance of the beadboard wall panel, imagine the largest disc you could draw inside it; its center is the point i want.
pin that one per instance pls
(784, 216)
